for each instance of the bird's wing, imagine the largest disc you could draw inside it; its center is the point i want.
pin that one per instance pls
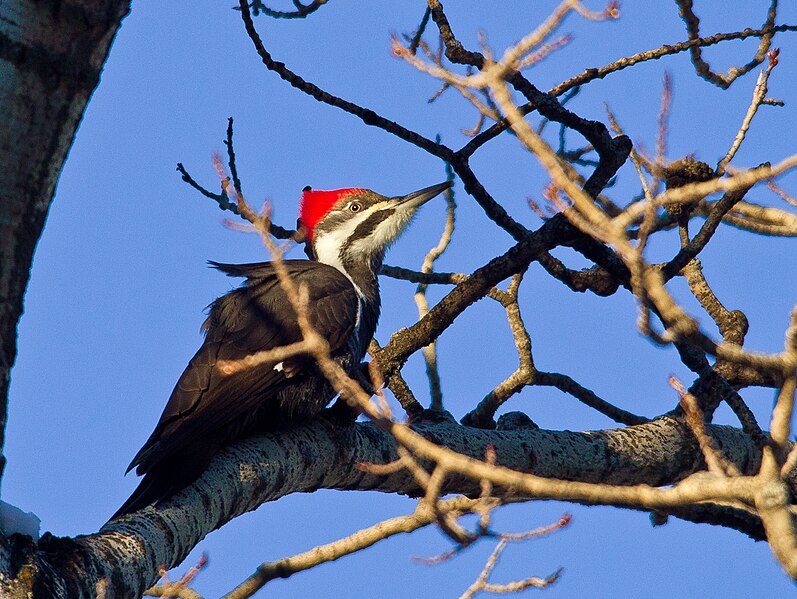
(255, 317)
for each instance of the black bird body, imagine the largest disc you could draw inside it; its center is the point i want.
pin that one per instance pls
(210, 408)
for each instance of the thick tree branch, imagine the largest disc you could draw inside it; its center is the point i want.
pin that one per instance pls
(407, 341)
(129, 551)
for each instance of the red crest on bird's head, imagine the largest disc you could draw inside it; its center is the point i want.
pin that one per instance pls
(316, 204)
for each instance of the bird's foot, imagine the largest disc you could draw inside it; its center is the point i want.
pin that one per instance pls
(363, 376)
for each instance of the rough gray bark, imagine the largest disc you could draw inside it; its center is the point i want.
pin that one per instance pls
(128, 552)
(51, 56)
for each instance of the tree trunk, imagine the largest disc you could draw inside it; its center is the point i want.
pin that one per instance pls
(51, 56)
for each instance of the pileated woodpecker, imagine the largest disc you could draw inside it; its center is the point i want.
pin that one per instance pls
(348, 232)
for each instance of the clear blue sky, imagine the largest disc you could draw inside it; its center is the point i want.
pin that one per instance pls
(119, 281)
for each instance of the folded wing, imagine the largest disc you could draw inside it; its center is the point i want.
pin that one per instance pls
(208, 408)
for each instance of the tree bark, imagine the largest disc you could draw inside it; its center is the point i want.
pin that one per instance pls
(127, 552)
(51, 56)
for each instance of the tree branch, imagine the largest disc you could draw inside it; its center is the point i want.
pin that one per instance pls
(129, 551)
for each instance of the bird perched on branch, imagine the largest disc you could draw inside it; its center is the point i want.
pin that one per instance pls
(348, 232)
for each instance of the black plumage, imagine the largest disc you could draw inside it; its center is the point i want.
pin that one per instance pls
(209, 409)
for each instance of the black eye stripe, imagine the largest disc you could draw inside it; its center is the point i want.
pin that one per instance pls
(365, 228)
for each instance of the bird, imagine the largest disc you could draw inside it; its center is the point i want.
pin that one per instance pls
(348, 232)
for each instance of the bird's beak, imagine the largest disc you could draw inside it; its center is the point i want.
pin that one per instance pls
(416, 199)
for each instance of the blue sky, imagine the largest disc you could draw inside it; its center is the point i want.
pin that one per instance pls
(120, 280)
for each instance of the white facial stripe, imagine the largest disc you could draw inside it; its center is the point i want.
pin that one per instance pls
(385, 232)
(329, 243)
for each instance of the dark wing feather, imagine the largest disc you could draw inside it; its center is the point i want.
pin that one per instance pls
(205, 403)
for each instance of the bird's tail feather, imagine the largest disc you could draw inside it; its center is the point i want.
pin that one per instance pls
(168, 478)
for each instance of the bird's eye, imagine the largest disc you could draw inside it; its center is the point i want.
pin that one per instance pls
(355, 206)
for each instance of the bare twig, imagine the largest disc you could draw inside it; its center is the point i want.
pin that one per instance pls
(302, 10)
(231, 157)
(398, 385)
(422, 516)
(782, 194)
(430, 351)
(179, 589)
(593, 74)
(416, 39)
(715, 461)
(481, 583)
(757, 219)
(759, 95)
(567, 385)
(702, 67)
(663, 129)
(369, 117)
